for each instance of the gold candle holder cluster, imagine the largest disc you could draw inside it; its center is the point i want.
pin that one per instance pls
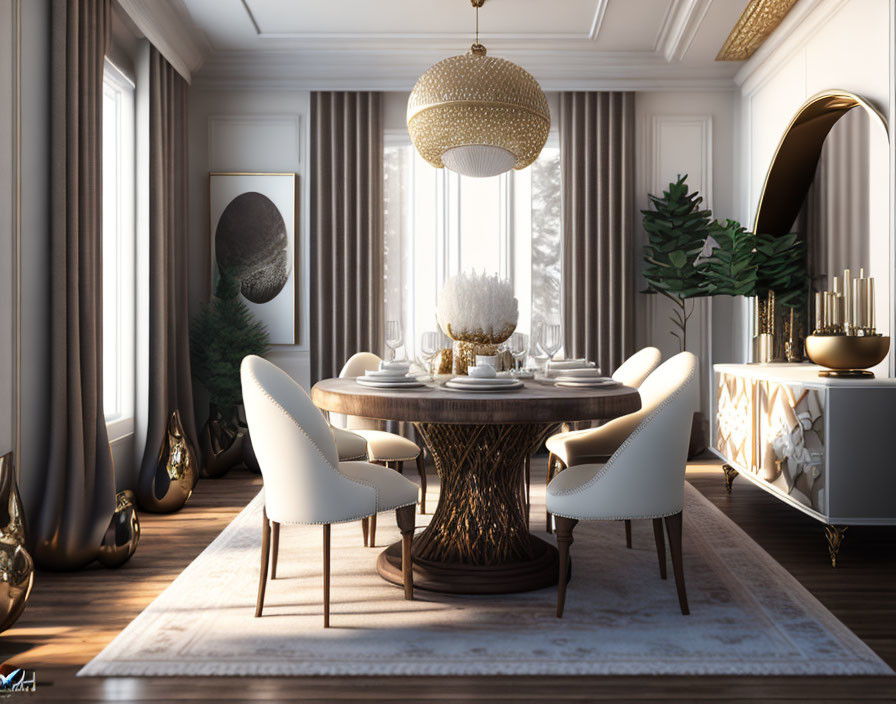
(845, 338)
(848, 308)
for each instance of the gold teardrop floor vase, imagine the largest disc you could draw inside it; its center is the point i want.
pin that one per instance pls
(166, 487)
(16, 565)
(123, 533)
(221, 446)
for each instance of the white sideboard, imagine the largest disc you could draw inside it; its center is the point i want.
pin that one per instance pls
(825, 446)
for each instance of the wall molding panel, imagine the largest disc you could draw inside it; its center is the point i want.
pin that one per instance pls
(679, 27)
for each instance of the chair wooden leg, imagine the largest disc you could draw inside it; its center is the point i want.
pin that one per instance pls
(398, 466)
(265, 552)
(326, 575)
(421, 470)
(372, 531)
(660, 545)
(275, 547)
(673, 528)
(564, 540)
(404, 516)
(365, 527)
(628, 533)
(552, 458)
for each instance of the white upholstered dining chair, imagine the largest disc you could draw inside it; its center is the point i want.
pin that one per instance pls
(597, 444)
(304, 481)
(643, 478)
(383, 447)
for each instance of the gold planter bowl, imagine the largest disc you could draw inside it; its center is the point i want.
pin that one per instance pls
(847, 356)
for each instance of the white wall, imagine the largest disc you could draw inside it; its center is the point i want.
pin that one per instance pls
(821, 45)
(249, 131)
(693, 134)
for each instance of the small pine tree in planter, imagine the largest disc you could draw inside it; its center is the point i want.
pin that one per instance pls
(221, 335)
(676, 234)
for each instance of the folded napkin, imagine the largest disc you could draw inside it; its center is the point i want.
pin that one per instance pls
(586, 372)
(403, 364)
(568, 363)
(482, 371)
(387, 373)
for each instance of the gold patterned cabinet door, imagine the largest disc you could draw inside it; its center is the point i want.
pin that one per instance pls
(791, 441)
(734, 419)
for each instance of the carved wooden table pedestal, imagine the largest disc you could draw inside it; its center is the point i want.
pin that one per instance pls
(478, 541)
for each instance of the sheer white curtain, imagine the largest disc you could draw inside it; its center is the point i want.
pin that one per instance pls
(438, 224)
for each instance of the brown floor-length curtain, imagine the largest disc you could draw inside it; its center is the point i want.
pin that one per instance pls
(597, 162)
(170, 386)
(78, 483)
(346, 229)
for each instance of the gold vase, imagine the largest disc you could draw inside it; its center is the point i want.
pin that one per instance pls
(467, 345)
(123, 534)
(221, 445)
(16, 565)
(166, 486)
(847, 356)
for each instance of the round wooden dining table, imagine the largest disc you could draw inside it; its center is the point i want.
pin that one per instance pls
(478, 541)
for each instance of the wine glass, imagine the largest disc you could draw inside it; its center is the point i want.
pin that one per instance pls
(430, 344)
(550, 339)
(519, 348)
(394, 337)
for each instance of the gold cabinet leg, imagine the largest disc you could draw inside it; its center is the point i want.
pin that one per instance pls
(730, 474)
(834, 536)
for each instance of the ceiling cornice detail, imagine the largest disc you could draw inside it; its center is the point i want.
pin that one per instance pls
(800, 25)
(679, 27)
(758, 21)
(340, 69)
(168, 26)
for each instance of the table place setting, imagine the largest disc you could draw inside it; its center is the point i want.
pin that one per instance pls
(391, 375)
(482, 378)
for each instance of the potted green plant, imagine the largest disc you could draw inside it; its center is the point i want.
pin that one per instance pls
(221, 335)
(676, 229)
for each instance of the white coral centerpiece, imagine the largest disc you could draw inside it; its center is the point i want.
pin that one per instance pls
(477, 307)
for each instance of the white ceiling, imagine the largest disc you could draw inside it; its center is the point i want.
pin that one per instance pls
(386, 44)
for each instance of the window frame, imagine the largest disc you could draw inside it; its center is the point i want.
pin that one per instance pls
(120, 420)
(448, 246)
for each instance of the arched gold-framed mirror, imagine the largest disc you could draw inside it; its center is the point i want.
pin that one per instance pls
(829, 182)
(796, 159)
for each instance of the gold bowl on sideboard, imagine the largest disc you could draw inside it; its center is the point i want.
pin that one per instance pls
(847, 355)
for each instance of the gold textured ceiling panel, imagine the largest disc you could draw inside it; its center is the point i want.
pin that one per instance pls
(759, 19)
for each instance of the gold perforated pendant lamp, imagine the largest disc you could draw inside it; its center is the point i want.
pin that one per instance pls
(478, 115)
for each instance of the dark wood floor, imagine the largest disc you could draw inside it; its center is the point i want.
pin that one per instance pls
(70, 617)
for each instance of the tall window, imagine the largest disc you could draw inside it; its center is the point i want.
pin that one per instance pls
(119, 234)
(438, 223)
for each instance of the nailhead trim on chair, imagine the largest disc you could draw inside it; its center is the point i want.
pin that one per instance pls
(624, 445)
(324, 458)
(396, 459)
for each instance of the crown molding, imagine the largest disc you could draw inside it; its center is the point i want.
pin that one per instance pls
(680, 25)
(795, 30)
(598, 20)
(399, 70)
(167, 25)
(448, 40)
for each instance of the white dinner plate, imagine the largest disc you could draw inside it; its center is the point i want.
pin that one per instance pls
(468, 388)
(484, 381)
(590, 384)
(403, 384)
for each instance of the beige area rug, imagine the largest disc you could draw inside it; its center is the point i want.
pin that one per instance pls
(749, 616)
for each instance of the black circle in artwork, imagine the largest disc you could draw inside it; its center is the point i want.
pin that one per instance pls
(251, 241)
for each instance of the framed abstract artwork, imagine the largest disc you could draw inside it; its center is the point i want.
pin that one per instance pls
(252, 219)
